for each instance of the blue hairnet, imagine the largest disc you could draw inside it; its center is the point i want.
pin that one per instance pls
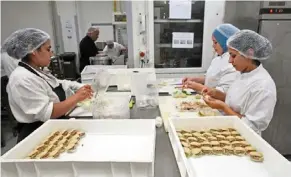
(223, 32)
(24, 41)
(251, 45)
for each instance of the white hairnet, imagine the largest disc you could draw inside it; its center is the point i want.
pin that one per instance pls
(251, 45)
(24, 41)
(109, 42)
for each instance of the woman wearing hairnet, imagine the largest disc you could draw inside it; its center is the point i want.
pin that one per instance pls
(252, 97)
(36, 96)
(221, 73)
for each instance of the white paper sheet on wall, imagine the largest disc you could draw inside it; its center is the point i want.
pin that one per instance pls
(106, 33)
(183, 40)
(180, 9)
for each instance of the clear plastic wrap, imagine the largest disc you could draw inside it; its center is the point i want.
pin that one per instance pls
(111, 107)
(101, 82)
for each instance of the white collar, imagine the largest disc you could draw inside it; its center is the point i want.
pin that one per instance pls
(253, 72)
(221, 56)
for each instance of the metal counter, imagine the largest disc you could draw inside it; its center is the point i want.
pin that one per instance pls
(165, 162)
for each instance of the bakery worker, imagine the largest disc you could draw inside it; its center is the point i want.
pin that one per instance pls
(113, 49)
(87, 47)
(8, 64)
(36, 96)
(220, 74)
(252, 97)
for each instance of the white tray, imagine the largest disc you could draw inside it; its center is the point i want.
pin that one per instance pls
(110, 148)
(120, 76)
(90, 70)
(168, 109)
(274, 165)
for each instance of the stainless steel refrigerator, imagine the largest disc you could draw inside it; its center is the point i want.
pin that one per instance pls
(275, 24)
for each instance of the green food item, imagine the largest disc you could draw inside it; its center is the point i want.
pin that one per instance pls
(179, 95)
(198, 96)
(187, 92)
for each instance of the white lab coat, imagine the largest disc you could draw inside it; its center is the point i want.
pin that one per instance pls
(221, 74)
(31, 98)
(115, 51)
(8, 64)
(253, 95)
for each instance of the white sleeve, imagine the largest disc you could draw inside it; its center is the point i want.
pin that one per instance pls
(32, 98)
(259, 109)
(105, 49)
(73, 85)
(120, 47)
(228, 76)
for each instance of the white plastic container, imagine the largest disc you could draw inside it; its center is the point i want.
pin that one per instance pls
(89, 72)
(168, 108)
(123, 80)
(115, 148)
(274, 164)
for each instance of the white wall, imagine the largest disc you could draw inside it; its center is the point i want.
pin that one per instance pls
(213, 10)
(33, 14)
(67, 13)
(96, 12)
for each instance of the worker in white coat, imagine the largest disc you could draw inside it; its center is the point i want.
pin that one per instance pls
(36, 96)
(8, 64)
(252, 97)
(221, 73)
(113, 49)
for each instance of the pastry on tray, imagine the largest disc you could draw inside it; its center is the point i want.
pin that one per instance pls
(215, 141)
(256, 156)
(56, 143)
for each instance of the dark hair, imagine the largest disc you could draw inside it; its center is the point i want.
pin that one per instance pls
(27, 57)
(257, 62)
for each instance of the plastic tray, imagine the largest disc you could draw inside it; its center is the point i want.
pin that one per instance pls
(274, 165)
(120, 76)
(90, 70)
(168, 109)
(114, 148)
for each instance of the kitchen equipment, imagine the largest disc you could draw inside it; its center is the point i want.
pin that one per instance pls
(275, 24)
(274, 164)
(69, 65)
(57, 67)
(100, 59)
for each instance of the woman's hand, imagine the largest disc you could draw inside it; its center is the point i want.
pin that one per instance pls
(214, 93)
(185, 80)
(214, 103)
(84, 92)
(209, 91)
(193, 85)
(189, 84)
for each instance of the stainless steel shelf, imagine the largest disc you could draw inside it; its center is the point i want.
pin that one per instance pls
(178, 21)
(170, 45)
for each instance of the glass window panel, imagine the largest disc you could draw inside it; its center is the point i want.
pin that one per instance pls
(165, 55)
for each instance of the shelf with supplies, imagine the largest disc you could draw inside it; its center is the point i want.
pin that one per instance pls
(177, 21)
(169, 45)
